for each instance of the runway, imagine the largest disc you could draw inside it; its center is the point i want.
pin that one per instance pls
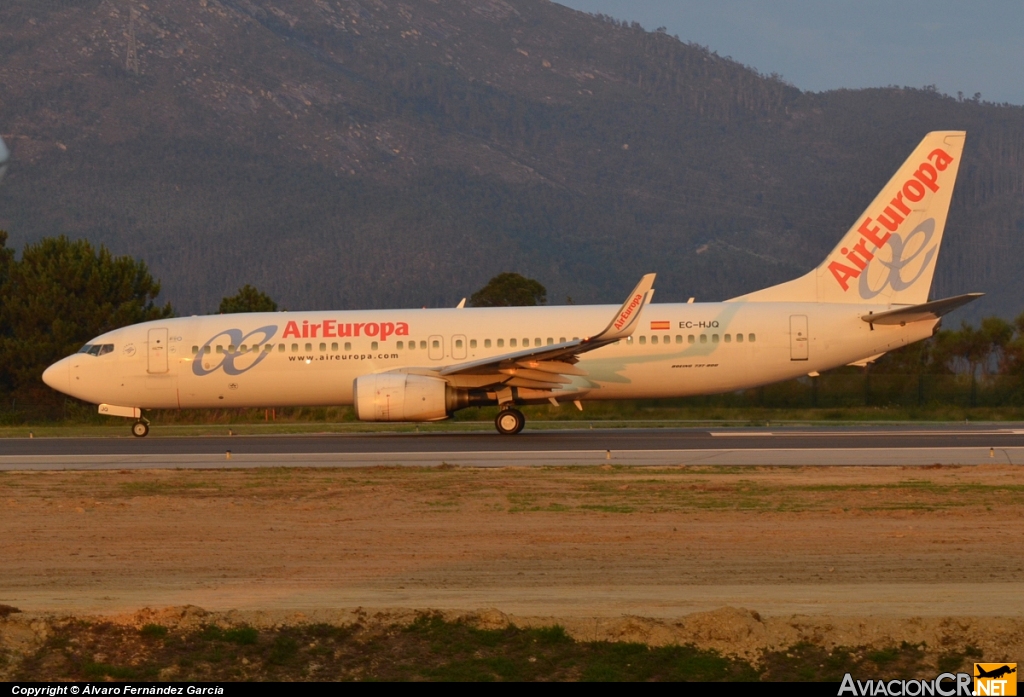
(854, 445)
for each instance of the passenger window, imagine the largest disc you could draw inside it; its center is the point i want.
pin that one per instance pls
(551, 341)
(243, 348)
(679, 338)
(400, 345)
(751, 337)
(373, 345)
(728, 338)
(334, 346)
(348, 345)
(267, 348)
(309, 347)
(575, 338)
(323, 347)
(629, 339)
(501, 343)
(295, 348)
(536, 342)
(643, 340)
(654, 339)
(472, 343)
(280, 348)
(512, 343)
(458, 343)
(423, 344)
(561, 339)
(435, 343)
(220, 349)
(714, 338)
(231, 348)
(206, 349)
(195, 350)
(487, 343)
(703, 338)
(739, 338)
(690, 339)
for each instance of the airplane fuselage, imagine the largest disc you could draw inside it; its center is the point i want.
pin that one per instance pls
(313, 358)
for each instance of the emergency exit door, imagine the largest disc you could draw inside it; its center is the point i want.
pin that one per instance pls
(798, 338)
(436, 348)
(458, 347)
(157, 350)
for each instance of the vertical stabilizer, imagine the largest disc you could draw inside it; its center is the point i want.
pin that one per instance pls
(888, 256)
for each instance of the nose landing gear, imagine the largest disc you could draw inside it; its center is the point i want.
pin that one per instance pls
(509, 422)
(140, 428)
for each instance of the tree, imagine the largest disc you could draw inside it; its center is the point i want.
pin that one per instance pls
(60, 294)
(248, 299)
(509, 290)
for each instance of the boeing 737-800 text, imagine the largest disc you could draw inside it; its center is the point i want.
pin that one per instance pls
(869, 296)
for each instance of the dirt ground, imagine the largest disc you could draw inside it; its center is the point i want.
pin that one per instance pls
(739, 559)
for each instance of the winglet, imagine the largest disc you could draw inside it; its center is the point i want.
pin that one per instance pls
(626, 318)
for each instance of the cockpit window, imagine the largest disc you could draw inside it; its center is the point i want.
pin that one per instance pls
(97, 349)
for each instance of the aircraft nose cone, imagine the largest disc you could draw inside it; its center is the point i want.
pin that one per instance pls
(58, 376)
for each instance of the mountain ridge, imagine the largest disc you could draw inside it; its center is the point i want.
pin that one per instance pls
(343, 154)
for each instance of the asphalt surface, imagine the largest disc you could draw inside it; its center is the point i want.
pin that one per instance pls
(881, 445)
(616, 439)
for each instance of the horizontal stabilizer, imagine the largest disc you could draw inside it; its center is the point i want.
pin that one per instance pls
(919, 313)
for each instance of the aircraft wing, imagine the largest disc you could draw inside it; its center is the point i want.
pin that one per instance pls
(546, 367)
(918, 313)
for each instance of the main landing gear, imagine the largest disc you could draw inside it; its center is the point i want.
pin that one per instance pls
(509, 422)
(140, 428)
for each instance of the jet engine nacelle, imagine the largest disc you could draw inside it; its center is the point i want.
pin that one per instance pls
(401, 397)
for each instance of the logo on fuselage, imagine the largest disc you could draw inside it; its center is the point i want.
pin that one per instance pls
(233, 362)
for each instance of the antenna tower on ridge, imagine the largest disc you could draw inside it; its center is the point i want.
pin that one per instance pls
(131, 63)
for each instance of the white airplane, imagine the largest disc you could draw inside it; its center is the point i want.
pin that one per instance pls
(869, 296)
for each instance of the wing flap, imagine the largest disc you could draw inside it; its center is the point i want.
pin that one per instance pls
(560, 367)
(536, 375)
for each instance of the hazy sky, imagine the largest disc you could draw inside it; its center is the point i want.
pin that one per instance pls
(820, 45)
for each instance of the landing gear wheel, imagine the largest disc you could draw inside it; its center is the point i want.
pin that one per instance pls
(140, 429)
(509, 422)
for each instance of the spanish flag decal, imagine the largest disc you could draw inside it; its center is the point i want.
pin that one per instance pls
(660, 325)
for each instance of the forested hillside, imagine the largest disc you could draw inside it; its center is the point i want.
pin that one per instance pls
(343, 153)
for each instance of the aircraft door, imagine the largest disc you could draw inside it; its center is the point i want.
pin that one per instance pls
(436, 348)
(798, 338)
(157, 351)
(458, 347)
